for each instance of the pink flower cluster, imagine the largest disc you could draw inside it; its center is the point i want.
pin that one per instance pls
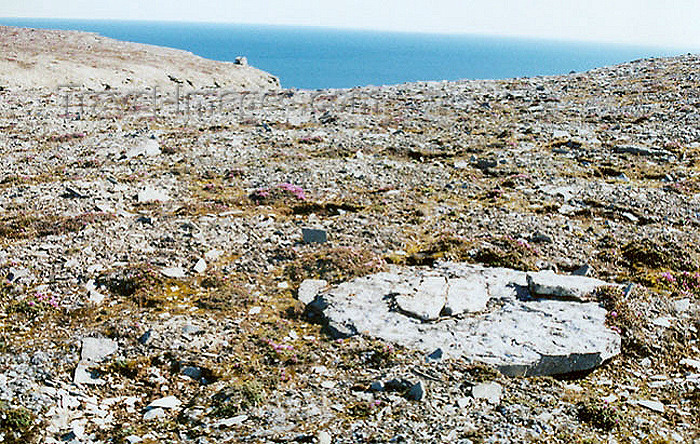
(296, 190)
(44, 299)
(264, 193)
(278, 347)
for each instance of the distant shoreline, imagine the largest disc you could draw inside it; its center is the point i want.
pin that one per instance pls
(317, 58)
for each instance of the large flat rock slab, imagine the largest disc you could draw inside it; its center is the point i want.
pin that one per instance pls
(482, 314)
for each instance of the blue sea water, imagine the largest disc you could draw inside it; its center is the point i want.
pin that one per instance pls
(313, 58)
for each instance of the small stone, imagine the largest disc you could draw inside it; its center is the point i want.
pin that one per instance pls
(173, 272)
(190, 329)
(83, 375)
(651, 405)
(630, 217)
(489, 391)
(241, 60)
(584, 270)
(435, 356)
(309, 288)
(610, 398)
(133, 439)
(146, 337)
(254, 310)
(694, 363)
(154, 414)
(314, 235)
(168, 402)
(376, 386)
(192, 371)
(94, 297)
(682, 305)
(540, 238)
(96, 349)
(230, 422)
(397, 385)
(151, 195)
(323, 437)
(200, 266)
(662, 322)
(213, 255)
(416, 392)
(463, 402)
(15, 274)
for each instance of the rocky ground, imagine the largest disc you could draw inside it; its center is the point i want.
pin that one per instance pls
(152, 252)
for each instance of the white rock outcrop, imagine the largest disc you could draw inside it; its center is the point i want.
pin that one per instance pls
(482, 314)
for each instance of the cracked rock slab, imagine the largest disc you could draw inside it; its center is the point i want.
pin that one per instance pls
(516, 333)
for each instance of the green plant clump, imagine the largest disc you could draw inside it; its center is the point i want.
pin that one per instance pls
(237, 398)
(598, 414)
(17, 425)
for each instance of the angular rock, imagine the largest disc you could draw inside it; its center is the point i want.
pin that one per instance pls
(324, 437)
(519, 335)
(309, 288)
(416, 392)
(83, 375)
(173, 272)
(168, 402)
(156, 413)
(651, 405)
(233, 421)
(192, 371)
(548, 284)
(152, 195)
(200, 266)
(314, 235)
(490, 391)
(377, 386)
(96, 349)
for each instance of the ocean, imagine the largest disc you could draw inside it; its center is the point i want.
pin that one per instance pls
(315, 58)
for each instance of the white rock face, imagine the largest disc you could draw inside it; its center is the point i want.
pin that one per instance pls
(466, 295)
(516, 333)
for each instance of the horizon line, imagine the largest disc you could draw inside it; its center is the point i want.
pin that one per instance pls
(682, 50)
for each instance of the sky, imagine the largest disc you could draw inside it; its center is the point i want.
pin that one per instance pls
(672, 24)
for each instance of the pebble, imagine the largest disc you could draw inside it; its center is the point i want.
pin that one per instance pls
(489, 391)
(314, 235)
(416, 392)
(200, 266)
(651, 405)
(168, 402)
(155, 413)
(323, 437)
(173, 272)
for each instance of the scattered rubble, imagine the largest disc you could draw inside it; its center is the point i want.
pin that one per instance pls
(459, 228)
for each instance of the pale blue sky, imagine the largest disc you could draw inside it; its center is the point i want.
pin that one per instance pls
(674, 23)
